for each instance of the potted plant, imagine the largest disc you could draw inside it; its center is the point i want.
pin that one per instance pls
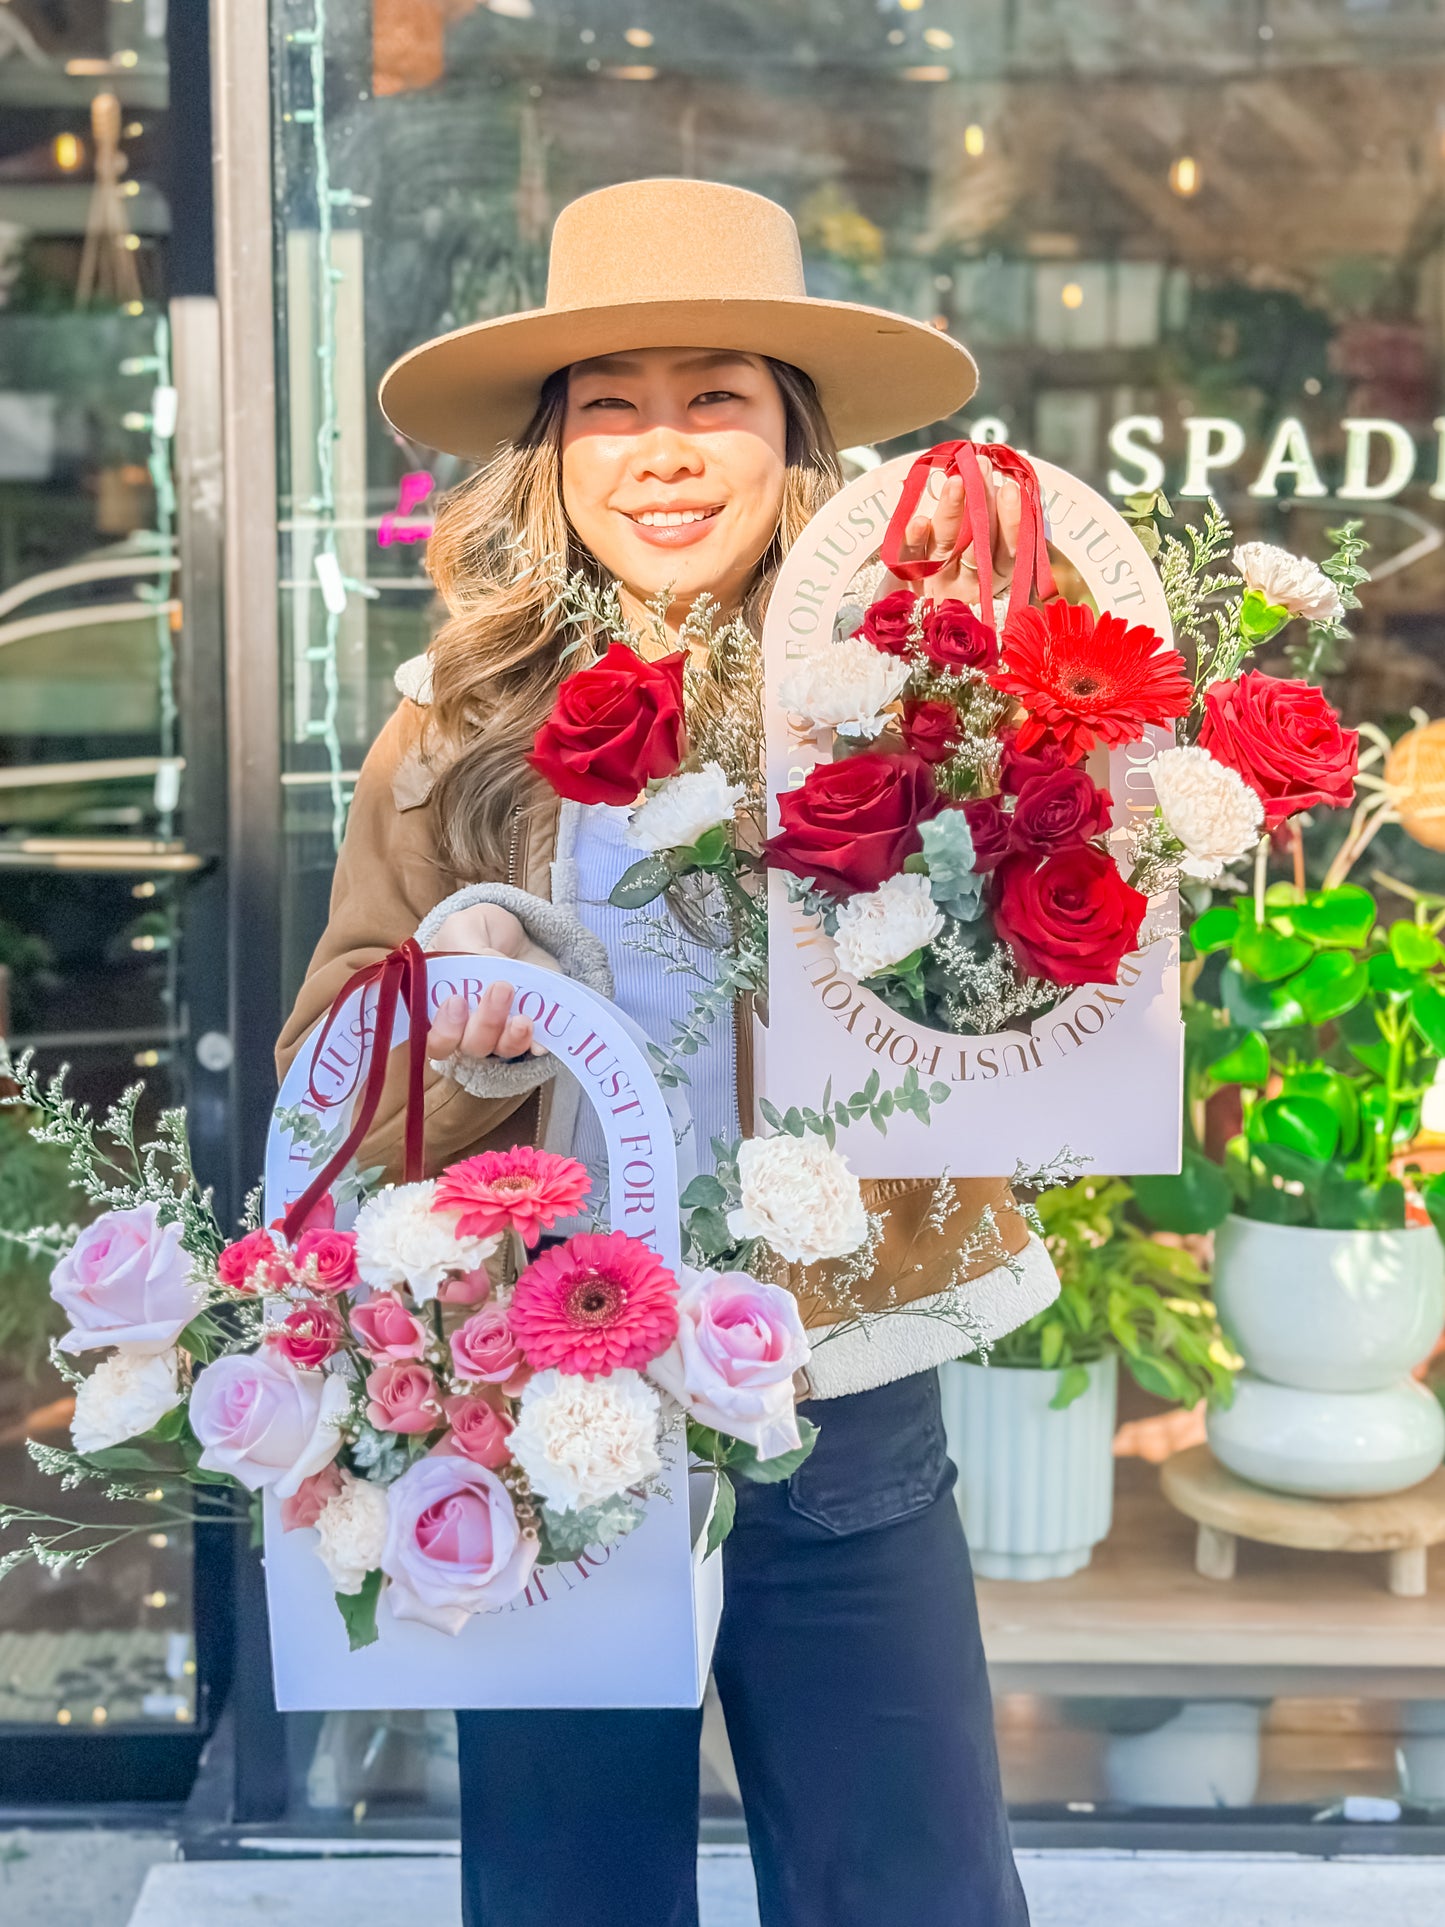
(1032, 1429)
(1328, 1274)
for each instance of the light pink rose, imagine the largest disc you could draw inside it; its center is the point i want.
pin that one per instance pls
(484, 1350)
(469, 1289)
(738, 1344)
(478, 1431)
(453, 1545)
(387, 1329)
(304, 1507)
(401, 1396)
(265, 1423)
(125, 1281)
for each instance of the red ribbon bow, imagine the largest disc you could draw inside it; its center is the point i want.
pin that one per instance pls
(399, 976)
(979, 526)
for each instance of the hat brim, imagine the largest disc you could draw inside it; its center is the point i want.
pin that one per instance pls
(877, 374)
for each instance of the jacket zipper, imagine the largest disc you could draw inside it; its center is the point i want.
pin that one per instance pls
(512, 843)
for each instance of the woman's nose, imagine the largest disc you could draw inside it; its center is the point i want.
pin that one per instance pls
(663, 455)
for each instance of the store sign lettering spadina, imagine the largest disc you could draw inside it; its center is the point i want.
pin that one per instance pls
(1099, 1074)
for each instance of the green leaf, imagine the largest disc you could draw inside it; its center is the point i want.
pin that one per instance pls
(1345, 1204)
(1303, 1124)
(1268, 954)
(1427, 1007)
(1215, 930)
(127, 1458)
(1051, 1344)
(1247, 1063)
(1073, 1383)
(1415, 949)
(1338, 1091)
(704, 1190)
(641, 883)
(170, 1427)
(1258, 1006)
(1331, 983)
(708, 1230)
(1198, 1199)
(711, 848)
(358, 1611)
(1259, 618)
(1432, 1190)
(744, 1460)
(724, 1511)
(201, 1339)
(256, 1514)
(1388, 979)
(1337, 918)
(1161, 1377)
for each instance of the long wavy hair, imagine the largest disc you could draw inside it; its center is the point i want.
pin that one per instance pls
(497, 661)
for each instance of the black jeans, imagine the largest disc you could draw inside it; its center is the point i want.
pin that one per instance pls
(852, 1676)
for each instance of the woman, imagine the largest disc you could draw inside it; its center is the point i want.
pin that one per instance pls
(665, 424)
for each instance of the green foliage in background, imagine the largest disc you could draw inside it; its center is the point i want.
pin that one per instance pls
(1121, 1292)
(35, 1189)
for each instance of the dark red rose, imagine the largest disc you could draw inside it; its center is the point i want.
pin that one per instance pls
(1070, 919)
(888, 623)
(853, 823)
(988, 824)
(614, 727)
(1062, 807)
(956, 639)
(1284, 739)
(1018, 765)
(931, 730)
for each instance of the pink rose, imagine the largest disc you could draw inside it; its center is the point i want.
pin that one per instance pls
(387, 1329)
(479, 1432)
(453, 1545)
(401, 1396)
(308, 1335)
(263, 1423)
(484, 1349)
(254, 1263)
(304, 1509)
(126, 1281)
(469, 1289)
(332, 1254)
(738, 1344)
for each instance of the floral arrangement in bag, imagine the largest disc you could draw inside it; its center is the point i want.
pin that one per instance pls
(441, 1398)
(954, 842)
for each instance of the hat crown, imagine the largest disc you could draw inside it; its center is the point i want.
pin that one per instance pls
(672, 240)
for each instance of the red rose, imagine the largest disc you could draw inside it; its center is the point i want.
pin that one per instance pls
(307, 1336)
(1018, 765)
(1065, 806)
(989, 826)
(614, 727)
(254, 1263)
(333, 1255)
(956, 639)
(1284, 739)
(931, 730)
(889, 623)
(1070, 919)
(852, 824)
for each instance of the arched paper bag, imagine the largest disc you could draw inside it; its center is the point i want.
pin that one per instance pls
(1101, 1075)
(629, 1626)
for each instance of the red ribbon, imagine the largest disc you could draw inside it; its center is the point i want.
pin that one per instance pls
(979, 527)
(398, 977)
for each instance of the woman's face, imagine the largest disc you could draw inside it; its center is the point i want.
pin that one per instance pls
(673, 466)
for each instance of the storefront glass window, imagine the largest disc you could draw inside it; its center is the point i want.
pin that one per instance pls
(1195, 247)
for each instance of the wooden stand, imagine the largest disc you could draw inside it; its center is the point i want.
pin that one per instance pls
(1403, 1525)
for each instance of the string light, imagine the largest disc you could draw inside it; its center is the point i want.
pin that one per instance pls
(68, 152)
(637, 37)
(926, 73)
(974, 140)
(938, 37)
(1184, 176)
(1072, 295)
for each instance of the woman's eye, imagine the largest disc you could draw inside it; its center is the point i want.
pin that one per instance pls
(606, 401)
(714, 396)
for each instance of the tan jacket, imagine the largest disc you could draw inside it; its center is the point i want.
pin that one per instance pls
(390, 874)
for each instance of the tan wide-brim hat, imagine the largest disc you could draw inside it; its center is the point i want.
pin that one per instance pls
(676, 264)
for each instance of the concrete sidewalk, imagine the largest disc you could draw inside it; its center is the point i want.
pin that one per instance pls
(1065, 1890)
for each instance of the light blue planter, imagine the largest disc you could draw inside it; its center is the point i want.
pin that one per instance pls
(1035, 1486)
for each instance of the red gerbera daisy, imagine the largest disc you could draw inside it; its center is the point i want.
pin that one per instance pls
(525, 1188)
(597, 1304)
(1083, 680)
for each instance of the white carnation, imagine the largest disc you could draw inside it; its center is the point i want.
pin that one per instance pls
(351, 1532)
(582, 1440)
(684, 809)
(1209, 808)
(883, 926)
(799, 1195)
(124, 1396)
(845, 686)
(1289, 581)
(400, 1240)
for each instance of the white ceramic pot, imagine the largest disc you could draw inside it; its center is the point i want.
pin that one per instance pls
(1330, 1311)
(1035, 1486)
(1329, 1445)
(1207, 1755)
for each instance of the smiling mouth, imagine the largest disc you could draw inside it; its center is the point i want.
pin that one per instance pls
(671, 518)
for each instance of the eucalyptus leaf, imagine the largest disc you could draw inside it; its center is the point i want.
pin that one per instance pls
(641, 883)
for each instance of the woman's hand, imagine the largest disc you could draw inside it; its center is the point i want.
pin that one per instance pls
(486, 930)
(931, 536)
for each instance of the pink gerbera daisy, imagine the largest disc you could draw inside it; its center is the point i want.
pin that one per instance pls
(597, 1304)
(524, 1188)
